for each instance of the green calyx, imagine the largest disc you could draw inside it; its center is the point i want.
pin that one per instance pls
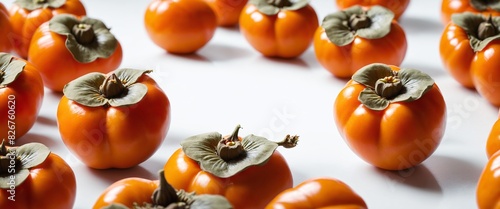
(481, 30)
(272, 7)
(15, 162)
(10, 69)
(120, 88)
(87, 39)
(344, 26)
(227, 156)
(166, 197)
(483, 5)
(38, 4)
(385, 86)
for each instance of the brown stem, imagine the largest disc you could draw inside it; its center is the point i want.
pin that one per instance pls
(2, 76)
(280, 3)
(4, 165)
(165, 194)
(9, 163)
(84, 33)
(359, 21)
(230, 148)
(3, 148)
(112, 87)
(234, 136)
(3, 67)
(487, 29)
(40, 1)
(388, 87)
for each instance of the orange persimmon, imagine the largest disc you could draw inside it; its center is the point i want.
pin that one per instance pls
(470, 51)
(27, 15)
(393, 118)
(487, 192)
(486, 8)
(180, 26)
(206, 165)
(21, 96)
(114, 120)
(227, 11)
(34, 177)
(279, 28)
(398, 7)
(67, 47)
(138, 192)
(323, 192)
(5, 30)
(493, 140)
(370, 36)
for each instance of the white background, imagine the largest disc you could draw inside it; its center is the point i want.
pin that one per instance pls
(227, 83)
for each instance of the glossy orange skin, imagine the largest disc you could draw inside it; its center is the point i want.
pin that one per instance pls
(382, 138)
(28, 93)
(127, 192)
(319, 193)
(251, 188)
(449, 7)
(493, 142)
(285, 35)
(57, 65)
(487, 192)
(5, 30)
(456, 54)
(344, 61)
(115, 137)
(180, 26)
(25, 22)
(51, 184)
(471, 69)
(396, 6)
(227, 11)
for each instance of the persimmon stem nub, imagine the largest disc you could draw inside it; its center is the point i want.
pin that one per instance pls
(388, 87)
(280, 3)
(487, 29)
(230, 148)
(359, 21)
(40, 1)
(112, 87)
(165, 194)
(84, 33)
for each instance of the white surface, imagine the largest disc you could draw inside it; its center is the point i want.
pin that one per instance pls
(228, 83)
